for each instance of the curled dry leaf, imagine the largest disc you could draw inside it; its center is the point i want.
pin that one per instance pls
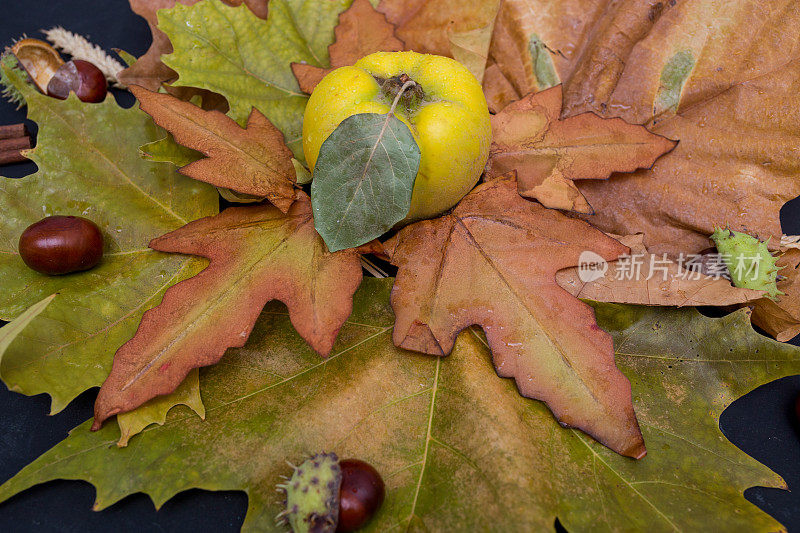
(252, 160)
(361, 31)
(257, 254)
(428, 27)
(549, 153)
(646, 279)
(471, 49)
(781, 318)
(149, 71)
(493, 262)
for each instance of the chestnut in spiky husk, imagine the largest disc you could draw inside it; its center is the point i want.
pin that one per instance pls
(326, 495)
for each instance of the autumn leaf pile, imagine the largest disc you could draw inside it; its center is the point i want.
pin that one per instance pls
(624, 127)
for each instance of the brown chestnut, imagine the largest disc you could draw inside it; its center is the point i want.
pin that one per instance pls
(81, 77)
(360, 494)
(61, 244)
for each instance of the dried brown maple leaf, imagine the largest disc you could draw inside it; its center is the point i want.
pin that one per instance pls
(647, 279)
(253, 161)
(360, 32)
(492, 262)
(149, 71)
(257, 254)
(548, 153)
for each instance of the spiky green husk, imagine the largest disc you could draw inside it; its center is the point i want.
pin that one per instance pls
(10, 91)
(312, 495)
(749, 261)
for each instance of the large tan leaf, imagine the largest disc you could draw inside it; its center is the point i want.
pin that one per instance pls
(492, 262)
(647, 279)
(549, 153)
(360, 32)
(252, 160)
(721, 77)
(257, 254)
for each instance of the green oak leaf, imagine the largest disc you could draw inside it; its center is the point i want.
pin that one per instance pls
(363, 179)
(230, 51)
(89, 166)
(459, 448)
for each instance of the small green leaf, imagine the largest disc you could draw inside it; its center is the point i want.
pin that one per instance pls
(10, 331)
(303, 175)
(363, 179)
(155, 411)
(166, 150)
(543, 68)
(128, 59)
(673, 78)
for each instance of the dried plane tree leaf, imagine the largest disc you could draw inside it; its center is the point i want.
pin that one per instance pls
(646, 279)
(471, 48)
(492, 262)
(361, 31)
(257, 254)
(498, 90)
(459, 449)
(149, 71)
(717, 87)
(252, 160)
(549, 153)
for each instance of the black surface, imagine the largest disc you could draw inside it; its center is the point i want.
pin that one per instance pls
(761, 423)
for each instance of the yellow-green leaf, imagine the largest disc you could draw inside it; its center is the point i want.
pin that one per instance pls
(231, 51)
(459, 448)
(89, 166)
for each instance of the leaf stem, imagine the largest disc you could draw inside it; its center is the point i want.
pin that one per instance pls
(406, 85)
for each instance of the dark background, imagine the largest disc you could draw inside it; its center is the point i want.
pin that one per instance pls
(762, 423)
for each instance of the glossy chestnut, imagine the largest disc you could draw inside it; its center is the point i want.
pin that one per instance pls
(360, 494)
(61, 244)
(81, 77)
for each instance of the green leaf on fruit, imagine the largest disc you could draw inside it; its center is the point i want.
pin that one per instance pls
(459, 449)
(363, 179)
(89, 150)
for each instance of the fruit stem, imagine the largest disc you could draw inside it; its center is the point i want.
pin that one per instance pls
(406, 85)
